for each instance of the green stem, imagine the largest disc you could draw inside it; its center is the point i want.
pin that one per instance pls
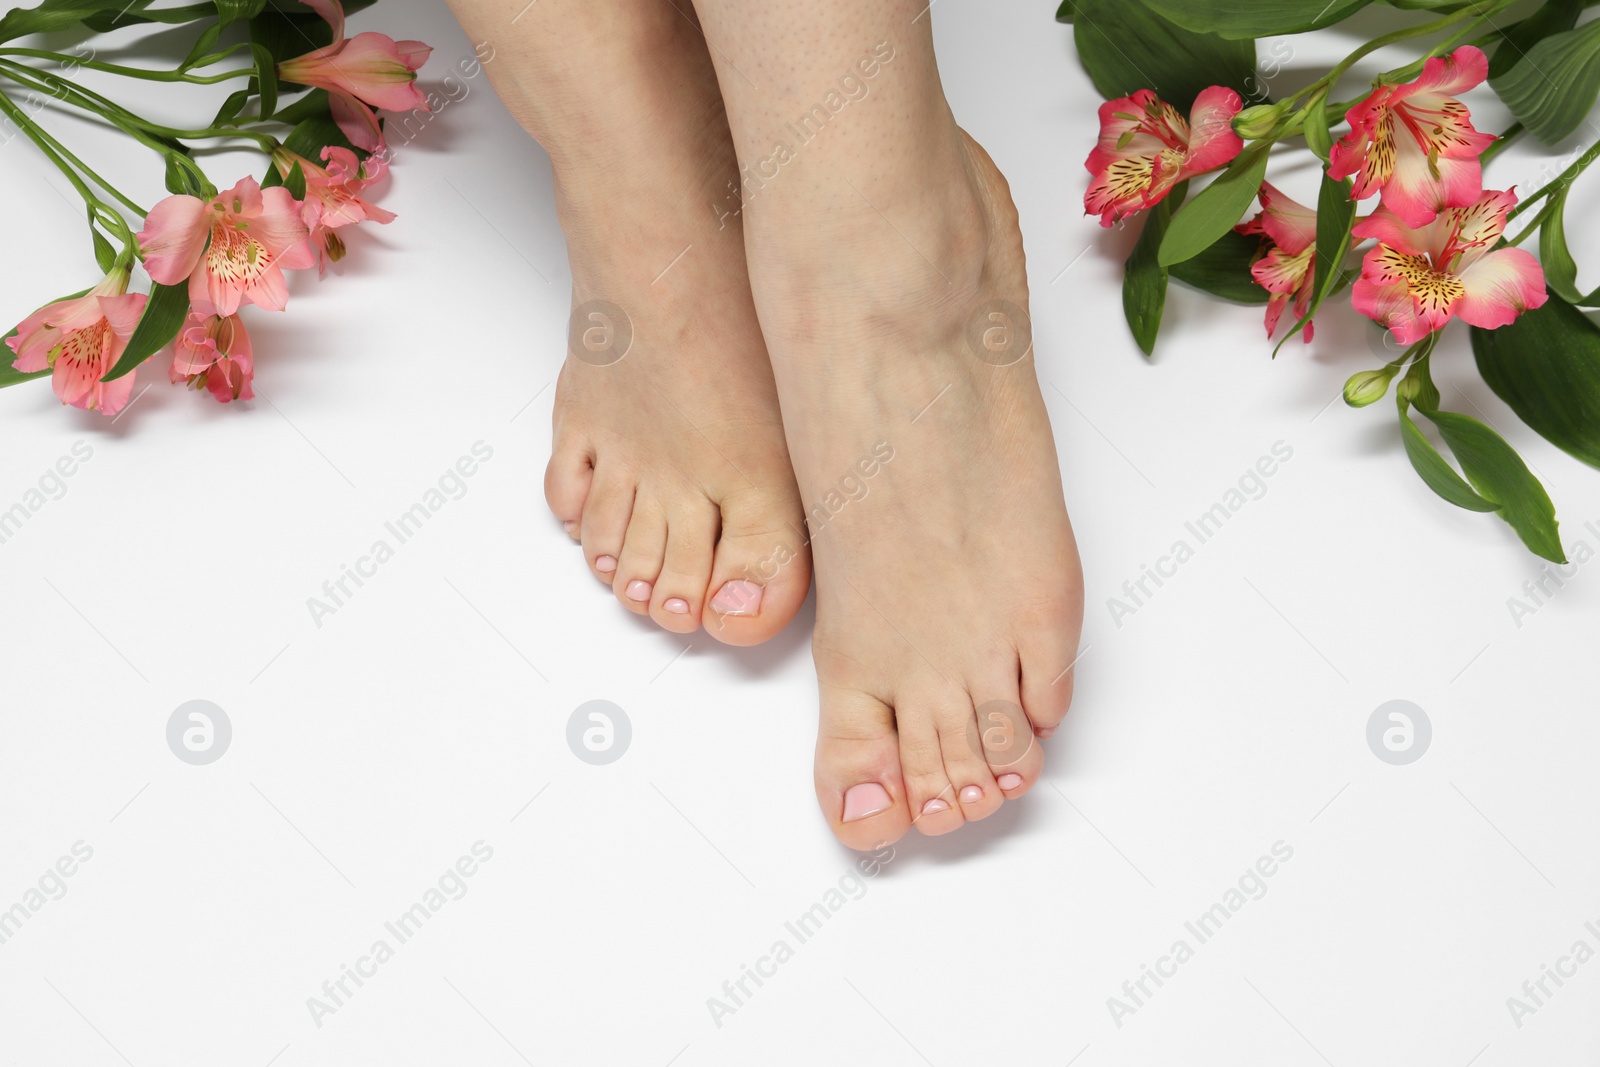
(1563, 179)
(133, 72)
(1538, 220)
(1513, 131)
(61, 156)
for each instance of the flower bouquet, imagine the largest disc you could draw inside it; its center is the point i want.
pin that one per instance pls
(207, 253)
(1433, 245)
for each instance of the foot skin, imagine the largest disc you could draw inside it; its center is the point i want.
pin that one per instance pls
(950, 595)
(669, 463)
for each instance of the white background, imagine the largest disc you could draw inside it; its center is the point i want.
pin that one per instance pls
(430, 712)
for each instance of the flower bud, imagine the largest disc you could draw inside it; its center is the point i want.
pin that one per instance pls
(1369, 386)
(1257, 121)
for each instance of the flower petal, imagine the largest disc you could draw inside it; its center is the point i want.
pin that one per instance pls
(1420, 188)
(1501, 286)
(357, 121)
(1212, 142)
(173, 238)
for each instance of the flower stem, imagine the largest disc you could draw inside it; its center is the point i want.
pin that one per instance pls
(66, 162)
(131, 72)
(1563, 179)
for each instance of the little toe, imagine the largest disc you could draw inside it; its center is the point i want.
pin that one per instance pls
(858, 778)
(762, 568)
(567, 479)
(680, 589)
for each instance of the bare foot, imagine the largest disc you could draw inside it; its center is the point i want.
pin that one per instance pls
(950, 596)
(669, 462)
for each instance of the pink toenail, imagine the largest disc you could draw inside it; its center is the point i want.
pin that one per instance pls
(605, 564)
(639, 590)
(861, 801)
(737, 597)
(1009, 781)
(677, 605)
(570, 527)
(971, 794)
(934, 807)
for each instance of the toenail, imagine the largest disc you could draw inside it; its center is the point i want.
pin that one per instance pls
(605, 564)
(1009, 781)
(737, 597)
(1045, 732)
(677, 605)
(861, 801)
(971, 794)
(570, 527)
(639, 590)
(934, 806)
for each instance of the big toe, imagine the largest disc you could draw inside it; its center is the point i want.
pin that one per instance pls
(762, 568)
(858, 779)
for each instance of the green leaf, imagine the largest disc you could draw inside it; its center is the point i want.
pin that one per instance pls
(1224, 269)
(105, 256)
(1336, 214)
(231, 107)
(266, 79)
(1144, 280)
(1560, 270)
(1065, 12)
(296, 182)
(202, 45)
(1438, 474)
(1500, 477)
(312, 105)
(1256, 18)
(235, 10)
(312, 135)
(1552, 92)
(1125, 46)
(1318, 139)
(164, 314)
(52, 15)
(1546, 367)
(1217, 209)
(180, 180)
(286, 35)
(137, 14)
(1556, 16)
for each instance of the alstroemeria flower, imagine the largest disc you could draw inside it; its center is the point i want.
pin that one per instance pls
(233, 250)
(81, 339)
(370, 70)
(1290, 230)
(1418, 278)
(333, 195)
(1146, 148)
(1415, 143)
(213, 352)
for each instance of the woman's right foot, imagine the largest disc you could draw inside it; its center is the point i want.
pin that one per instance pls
(669, 462)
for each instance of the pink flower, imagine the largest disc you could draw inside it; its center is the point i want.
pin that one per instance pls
(81, 339)
(333, 196)
(213, 352)
(370, 70)
(1290, 231)
(1146, 148)
(233, 250)
(1418, 278)
(1415, 143)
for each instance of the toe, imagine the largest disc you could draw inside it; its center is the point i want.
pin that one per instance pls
(566, 484)
(1049, 661)
(976, 792)
(762, 568)
(858, 777)
(639, 563)
(604, 525)
(930, 797)
(680, 589)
